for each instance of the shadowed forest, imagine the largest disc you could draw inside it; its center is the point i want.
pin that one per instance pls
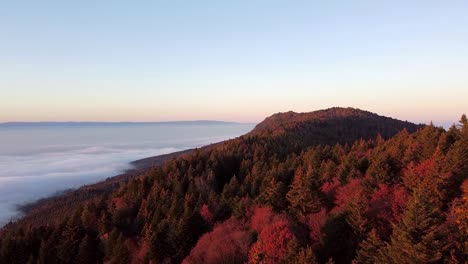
(339, 185)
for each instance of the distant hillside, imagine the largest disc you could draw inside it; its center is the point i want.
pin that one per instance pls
(343, 118)
(296, 131)
(319, 187)
(33, 124)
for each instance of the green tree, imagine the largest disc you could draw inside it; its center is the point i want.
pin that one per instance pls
(87, 251)
(302, 196)
(274, 195)
(120, 253)
(306, 256)
(417, 238)
(46, 254)
(369, 248)
(70, 239)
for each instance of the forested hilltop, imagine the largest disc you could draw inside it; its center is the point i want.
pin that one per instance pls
(339, 185)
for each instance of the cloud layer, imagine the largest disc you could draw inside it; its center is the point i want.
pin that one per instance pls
(25, 177)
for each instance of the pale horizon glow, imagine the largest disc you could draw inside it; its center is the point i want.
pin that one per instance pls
(239, 61)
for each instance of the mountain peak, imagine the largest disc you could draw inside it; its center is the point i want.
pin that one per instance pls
(332, 125)
(278, 122)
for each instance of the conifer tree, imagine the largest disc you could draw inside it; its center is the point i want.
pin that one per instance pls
(70, 239)
(306, 256)
(427, 139)
(45, 254)
(87, 251)
(418, 238)
(369, 248)
(301, 196)
(274, 194)
(120, 252)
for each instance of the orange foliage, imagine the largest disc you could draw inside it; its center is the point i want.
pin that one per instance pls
(228, 243)
(262, 217)
(272, 245)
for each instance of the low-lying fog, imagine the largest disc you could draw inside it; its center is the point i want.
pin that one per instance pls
(37, 160)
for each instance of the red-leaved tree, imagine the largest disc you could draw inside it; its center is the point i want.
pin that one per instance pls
(228, 243)
(272, 244)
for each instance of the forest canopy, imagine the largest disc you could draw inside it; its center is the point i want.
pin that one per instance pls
(340, 185)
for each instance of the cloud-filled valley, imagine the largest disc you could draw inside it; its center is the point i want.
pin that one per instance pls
(42, 167)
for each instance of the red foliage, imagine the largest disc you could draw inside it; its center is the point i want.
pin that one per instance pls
(419, 174)
(315, 223)
(206, 214)
(228, 243)
(140, 255)
(262, 217)
(400, 199)
(349, 193)
(272, 244)
(386, 205)
(458, 215)
(119, 203)
(330, 188)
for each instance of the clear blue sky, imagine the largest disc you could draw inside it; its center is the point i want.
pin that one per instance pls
(231, 60)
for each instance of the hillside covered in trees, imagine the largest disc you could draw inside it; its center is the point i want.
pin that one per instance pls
(340, 185)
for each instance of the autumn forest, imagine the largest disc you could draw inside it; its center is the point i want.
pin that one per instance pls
(339, 185)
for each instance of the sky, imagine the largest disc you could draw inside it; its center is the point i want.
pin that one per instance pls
(231, 60)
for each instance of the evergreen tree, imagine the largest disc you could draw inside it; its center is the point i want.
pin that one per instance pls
(70, 239)
(369, 248)
(120, 253)
(427, 140)
(274, 195)
(417, 238)
(301, 196)
(306, 256)
(45, 254)
(339, 240)
(87, 251)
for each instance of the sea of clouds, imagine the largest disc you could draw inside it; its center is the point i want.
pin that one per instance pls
(24, 179)
(31, 169)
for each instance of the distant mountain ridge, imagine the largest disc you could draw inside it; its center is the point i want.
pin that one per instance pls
(92, 123)
(295, 132)
(288, 121)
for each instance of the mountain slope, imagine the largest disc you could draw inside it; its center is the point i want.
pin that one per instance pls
(339, 120)
(295, 131)
(300, 188)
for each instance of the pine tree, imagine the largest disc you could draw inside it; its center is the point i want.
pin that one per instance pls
(120, 252)
(427, 139)
(7, 250)
(87, 251)
(369, 248)
(274, 195)
(45, 254)
(417, 238)
(231, 190)
(456, 161)
(70, 239)
(301, 196)
(459, 227)
(104, 224)
(306, 256)
(463, 120)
